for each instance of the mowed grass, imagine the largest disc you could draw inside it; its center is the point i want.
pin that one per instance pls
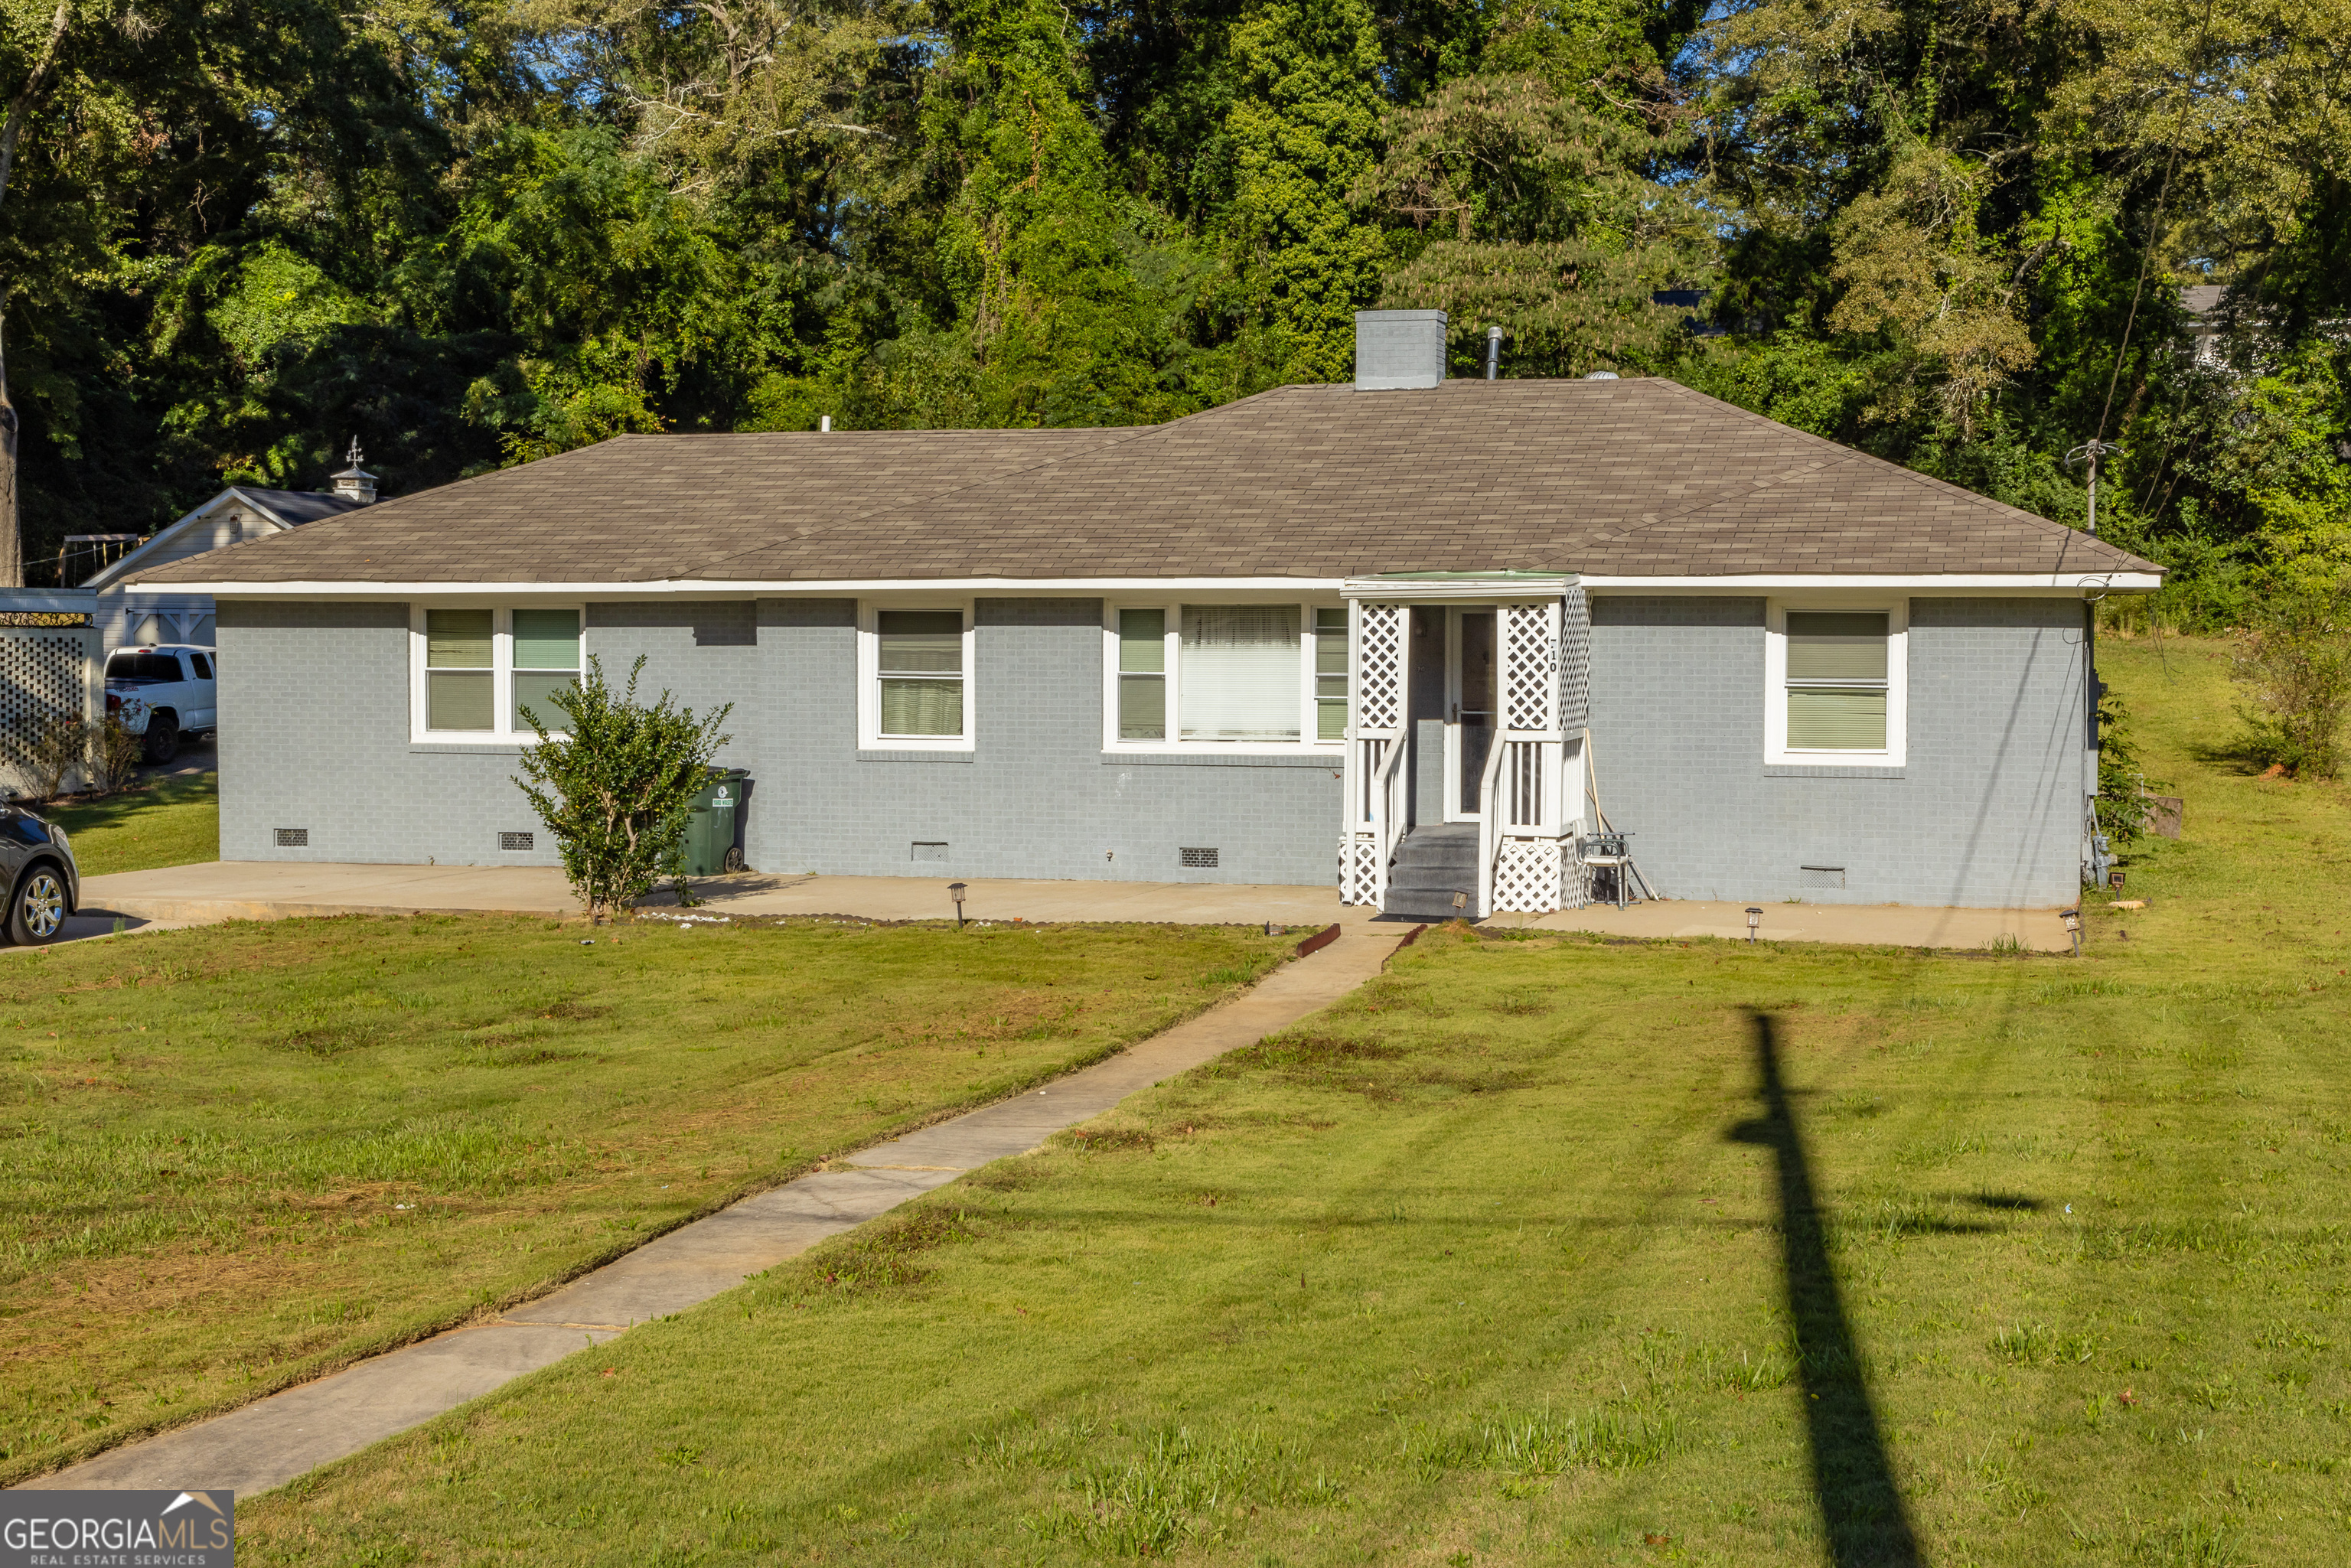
(1498, 1262)
(172, 821)
(240, 1155)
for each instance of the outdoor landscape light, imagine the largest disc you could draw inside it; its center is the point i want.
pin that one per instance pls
(1460, 902)
(2114, 879)
(956, 891)
(2073, 919)
(1754, 919)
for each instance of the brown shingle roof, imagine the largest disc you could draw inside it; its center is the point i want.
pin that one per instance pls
(1608, 478)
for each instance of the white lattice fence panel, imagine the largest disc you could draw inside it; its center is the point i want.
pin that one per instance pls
(1530, 665)
(1527, 876)
(1359, 870)
(1575, 663)
(1380, 631)
(44, 675)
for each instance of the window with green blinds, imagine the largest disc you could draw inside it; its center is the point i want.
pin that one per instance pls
(1836, 680)
(1331, 673)
(1142, 675)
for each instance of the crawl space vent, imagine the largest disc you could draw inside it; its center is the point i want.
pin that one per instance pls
(1823, 876)
(293, 838)
(1205, 860)
(929, 851)
(517, 841)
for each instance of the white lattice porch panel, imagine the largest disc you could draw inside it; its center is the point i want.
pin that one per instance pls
(1530, 665)
(1359, 870)
(1380, 632)
(1575, 663)
(1527, 875)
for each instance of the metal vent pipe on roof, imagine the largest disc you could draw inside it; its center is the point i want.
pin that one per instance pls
(1493, 352)
(823, 423)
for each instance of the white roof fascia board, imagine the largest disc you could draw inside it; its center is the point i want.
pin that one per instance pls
(1496, 587)
(49, 601)
(2064, 583)
(1290, 587)
(2012, 582)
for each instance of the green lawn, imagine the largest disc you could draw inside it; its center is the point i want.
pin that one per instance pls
(1520, 1255)
(176, 822)
(240, 1155)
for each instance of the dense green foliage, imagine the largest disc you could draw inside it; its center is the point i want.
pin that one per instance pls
(237, 234)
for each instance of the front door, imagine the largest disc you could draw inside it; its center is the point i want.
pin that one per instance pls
(1470, 679)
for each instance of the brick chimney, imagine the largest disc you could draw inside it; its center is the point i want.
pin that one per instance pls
(1397, 350)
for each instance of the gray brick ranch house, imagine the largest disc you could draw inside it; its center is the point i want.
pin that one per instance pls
(1324, 630)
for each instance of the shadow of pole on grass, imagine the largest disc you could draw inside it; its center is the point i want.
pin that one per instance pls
(1860, 1504)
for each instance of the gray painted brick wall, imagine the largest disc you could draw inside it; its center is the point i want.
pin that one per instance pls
(1986, 811)
(1036, 797)
(313, 734)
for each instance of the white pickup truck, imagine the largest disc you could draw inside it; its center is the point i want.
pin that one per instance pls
(162, 693)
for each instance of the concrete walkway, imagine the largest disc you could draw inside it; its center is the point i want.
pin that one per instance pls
(268, 1443)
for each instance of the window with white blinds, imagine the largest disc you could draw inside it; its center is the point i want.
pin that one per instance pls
(1178, 676)
(914, 677)
(1239, 673)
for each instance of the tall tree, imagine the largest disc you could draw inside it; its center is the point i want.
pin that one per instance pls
(1302, 127)
(34, 78)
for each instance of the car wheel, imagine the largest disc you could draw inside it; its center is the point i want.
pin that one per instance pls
(37, 913)
(162, 742)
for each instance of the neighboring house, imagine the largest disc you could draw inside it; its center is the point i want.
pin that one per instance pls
(127, 617)
(2201, 302)
(1402, 632)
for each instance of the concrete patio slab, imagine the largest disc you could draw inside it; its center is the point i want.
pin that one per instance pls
(268, 1443)
(271, 890)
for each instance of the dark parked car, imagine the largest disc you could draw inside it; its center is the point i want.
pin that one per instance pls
(43, 883)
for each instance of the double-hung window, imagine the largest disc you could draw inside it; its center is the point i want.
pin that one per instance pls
(915, 679)
(1837, 678)
(1254, 676)
(1142, 675)
(476, 670)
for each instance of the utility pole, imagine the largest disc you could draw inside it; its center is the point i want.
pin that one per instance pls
(2093, 452)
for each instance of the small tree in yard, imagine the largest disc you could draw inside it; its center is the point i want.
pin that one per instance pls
(615, 790)
(2295, 666)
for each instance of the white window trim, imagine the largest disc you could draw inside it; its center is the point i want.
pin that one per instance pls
(869, 679)
(1308, 715)
(501, 672)
(1775, 684)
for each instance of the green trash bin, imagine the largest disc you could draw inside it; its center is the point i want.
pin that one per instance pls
(710, 829)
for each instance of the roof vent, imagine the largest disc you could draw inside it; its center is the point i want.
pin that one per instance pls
(1599, 375)
(1398, 350)
(355, 483)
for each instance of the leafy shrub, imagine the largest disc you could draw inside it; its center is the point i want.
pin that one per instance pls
(2122, 788)
(2294, 668)
(45, 751)
(114, 754)
(615, 791)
